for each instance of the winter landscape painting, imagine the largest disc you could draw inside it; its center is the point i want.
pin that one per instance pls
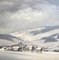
(29, 29)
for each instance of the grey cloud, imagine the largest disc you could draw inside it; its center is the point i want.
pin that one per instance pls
(15, 5)
(10, 7)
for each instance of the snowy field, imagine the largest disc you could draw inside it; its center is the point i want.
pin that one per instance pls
(9, 55)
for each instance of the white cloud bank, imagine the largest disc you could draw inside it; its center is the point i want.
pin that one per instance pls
(48, 13)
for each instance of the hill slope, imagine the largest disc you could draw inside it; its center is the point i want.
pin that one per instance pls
(44, 36)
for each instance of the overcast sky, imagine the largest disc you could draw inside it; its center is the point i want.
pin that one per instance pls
(18, 15)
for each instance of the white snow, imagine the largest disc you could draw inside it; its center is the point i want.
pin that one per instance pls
(28, 38)
(31, 39)
(10, 55)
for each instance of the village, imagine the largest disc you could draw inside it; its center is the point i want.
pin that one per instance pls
(21, 47)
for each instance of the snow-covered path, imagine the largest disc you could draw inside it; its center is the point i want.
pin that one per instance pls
(6, 55)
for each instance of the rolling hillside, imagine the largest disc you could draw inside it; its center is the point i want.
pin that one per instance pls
(43, 36)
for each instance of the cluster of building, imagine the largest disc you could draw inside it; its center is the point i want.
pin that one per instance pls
(21, 47)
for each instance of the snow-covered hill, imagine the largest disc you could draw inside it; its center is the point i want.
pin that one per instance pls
(43, 36)
(7, 40)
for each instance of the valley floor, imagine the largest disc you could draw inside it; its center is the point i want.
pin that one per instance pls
(10, 55)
